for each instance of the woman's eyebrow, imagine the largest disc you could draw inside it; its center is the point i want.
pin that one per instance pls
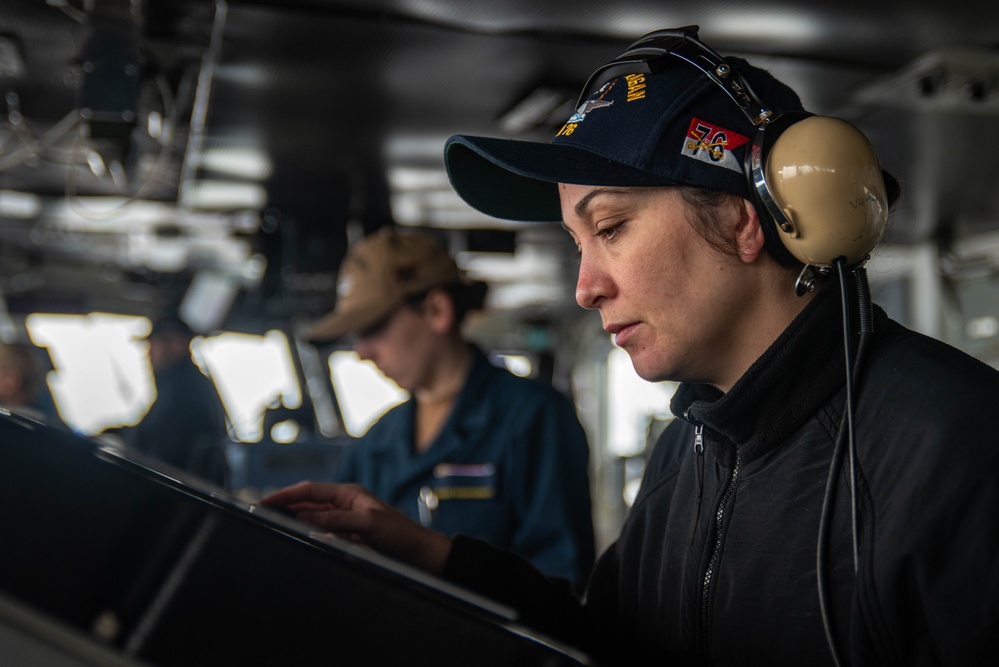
(584, 203)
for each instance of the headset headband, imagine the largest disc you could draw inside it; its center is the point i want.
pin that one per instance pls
(645, 55)
(650, 54)
(850, 161)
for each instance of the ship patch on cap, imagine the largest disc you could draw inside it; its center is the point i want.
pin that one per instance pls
(713, 144)
(595, 102)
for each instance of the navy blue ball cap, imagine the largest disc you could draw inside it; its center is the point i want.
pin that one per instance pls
(672, 125)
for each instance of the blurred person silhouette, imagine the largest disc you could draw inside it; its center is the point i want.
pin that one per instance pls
(185, 426)
(22, 387)
(476, 449)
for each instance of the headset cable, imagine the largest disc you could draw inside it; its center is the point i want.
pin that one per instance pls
(845, 442)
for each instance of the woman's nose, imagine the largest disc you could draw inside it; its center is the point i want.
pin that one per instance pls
(363, 349)
(591, 284)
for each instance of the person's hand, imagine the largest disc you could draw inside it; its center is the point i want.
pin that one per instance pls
(348, 511)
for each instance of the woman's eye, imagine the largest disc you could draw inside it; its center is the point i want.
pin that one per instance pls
(609, 233)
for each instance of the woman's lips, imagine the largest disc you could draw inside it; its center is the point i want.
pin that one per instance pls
(622, 332)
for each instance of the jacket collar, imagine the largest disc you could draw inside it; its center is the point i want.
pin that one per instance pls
(802, 370)
(467, 414)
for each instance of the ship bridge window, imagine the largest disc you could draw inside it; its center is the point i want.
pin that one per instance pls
(364, 394)
(101, 377)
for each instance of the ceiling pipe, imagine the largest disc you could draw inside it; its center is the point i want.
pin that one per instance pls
(199, 112)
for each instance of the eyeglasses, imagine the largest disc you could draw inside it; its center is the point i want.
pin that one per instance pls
(381, 325)
(377, 328)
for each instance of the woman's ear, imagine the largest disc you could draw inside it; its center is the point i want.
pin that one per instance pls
(439, 310)
(748, 232)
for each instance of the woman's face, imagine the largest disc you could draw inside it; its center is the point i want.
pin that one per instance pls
(402, 347)
(672, 300)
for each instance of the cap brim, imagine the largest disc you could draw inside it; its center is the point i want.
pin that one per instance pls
(336, 325)
(518, 180)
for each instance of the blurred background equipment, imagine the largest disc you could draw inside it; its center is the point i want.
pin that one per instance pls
(214, 160)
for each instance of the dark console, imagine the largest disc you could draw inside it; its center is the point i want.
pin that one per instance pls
(162, 569)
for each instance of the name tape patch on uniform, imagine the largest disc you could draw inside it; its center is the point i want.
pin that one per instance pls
(464, 470)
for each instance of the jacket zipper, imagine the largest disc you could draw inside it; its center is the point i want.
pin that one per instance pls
(699, 465)
(709, 573)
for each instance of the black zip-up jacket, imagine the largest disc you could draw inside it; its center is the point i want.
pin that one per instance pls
(716, 563)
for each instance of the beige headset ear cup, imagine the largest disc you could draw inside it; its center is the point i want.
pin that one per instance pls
(824, 175)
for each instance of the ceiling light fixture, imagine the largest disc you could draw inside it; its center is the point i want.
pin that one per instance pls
(20, 205)
(224, 195)
(237, 162)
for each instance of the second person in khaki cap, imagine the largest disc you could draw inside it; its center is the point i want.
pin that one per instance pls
(476, 450)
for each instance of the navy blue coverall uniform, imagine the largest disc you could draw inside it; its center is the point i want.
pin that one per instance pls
(510, 467)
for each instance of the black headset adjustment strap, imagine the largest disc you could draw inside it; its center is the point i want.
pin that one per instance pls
(654, 51)
(647, 56)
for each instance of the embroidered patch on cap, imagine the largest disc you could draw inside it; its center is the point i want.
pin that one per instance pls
(595, 102)
(710, 143)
